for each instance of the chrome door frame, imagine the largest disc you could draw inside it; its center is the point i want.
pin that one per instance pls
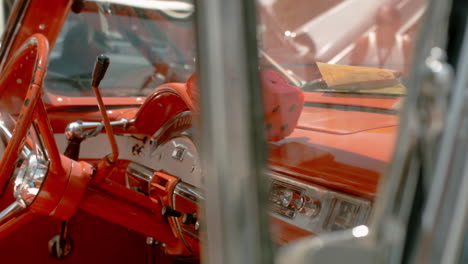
(233, 145)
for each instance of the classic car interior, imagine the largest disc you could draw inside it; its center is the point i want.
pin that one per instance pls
(100, 134)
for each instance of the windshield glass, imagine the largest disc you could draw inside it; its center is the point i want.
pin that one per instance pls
(376, 44)
(333, 78)
(146, 47)
(152, 42)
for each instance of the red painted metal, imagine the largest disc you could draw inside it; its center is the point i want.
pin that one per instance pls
(33, 55)
(164, 103)
(66, 180)
(110, 134)
(315, 150)
(79, 178)
(115, 208)
(14, 223)
(35, 22)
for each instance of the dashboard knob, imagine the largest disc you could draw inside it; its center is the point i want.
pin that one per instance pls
(167, 211)
(189, 219)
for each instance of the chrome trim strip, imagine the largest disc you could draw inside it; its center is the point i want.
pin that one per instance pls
(179, 189)
(319, 224)
(10, 211)
(189, 232)
(191, 193)
(179, 9)
(183, 118)
(142, 172)
(6, 134)
(290, 173)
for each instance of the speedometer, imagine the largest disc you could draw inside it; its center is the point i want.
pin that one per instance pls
(179, 156)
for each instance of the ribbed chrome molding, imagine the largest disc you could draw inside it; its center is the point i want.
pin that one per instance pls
(320, 209)
(329, 204)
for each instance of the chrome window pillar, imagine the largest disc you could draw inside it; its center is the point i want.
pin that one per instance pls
(444, 223)
(233, 148)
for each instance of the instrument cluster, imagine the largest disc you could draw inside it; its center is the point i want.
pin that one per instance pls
(303, 205)
(179, 156)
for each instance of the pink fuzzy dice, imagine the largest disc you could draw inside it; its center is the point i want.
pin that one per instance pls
(282, 104)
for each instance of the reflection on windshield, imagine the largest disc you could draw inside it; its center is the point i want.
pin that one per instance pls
(380, 37)
(146, 48)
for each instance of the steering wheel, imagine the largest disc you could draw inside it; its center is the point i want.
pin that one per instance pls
(31, 155)
(26, 66)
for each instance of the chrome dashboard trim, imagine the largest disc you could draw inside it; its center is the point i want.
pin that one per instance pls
(139, 171)
(180, 119)
(189, 192)
(278, 208)
(327, 197)
(10, 211)
(329, 200)
(192, 194)
(290, 173)
(142, 172)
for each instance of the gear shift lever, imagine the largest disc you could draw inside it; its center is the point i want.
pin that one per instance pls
(60, 245)
(100, 68)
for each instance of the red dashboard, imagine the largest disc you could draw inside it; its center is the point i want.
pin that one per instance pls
(327, 148)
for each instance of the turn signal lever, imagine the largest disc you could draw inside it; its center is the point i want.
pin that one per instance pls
(79, 130)
(83, 130)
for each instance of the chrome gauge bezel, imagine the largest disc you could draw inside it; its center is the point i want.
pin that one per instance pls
(32, 165)
(30, 176)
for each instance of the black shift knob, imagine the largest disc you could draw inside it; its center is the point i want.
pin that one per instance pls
(100, 68)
